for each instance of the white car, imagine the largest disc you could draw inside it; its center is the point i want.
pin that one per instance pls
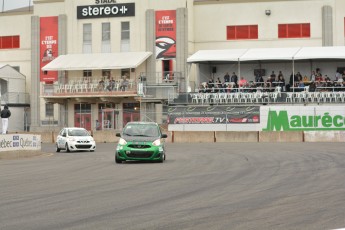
(75, 139)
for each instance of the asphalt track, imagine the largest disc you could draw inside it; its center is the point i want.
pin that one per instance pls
(200, 186)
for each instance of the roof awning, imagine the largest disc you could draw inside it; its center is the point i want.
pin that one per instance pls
(216, 55)
(268, 54)
(93, 61)
(262, 54)
(324, 52)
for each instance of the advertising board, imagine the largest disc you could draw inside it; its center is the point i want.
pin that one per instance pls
(14, 142)
(257, 118)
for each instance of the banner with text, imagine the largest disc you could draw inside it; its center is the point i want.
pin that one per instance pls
(48, 46)
(213, 114)
(166, 34)
(14, 142)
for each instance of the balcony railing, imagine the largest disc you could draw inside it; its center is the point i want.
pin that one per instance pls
(76, 88)
(261, 97)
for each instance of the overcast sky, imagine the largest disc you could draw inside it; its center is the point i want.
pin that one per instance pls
(14, 4)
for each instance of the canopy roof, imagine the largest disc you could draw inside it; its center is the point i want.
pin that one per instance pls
(326, 52)
(93, 61)
(269, 54)
(216, 55)
(257, 54)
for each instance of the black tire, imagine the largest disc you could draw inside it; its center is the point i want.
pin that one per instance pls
(117, 160)
(67, 148)
(57, 149)
(162, 158)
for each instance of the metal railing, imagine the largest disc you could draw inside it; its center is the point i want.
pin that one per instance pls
(275, 97)
(15, 98)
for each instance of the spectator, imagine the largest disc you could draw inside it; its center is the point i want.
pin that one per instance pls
(243, 82)
(234, 79)
(312, 86)
(281, 82)
(100, 86)
(313, 76)
(226, 77)
(98, 125)
(273, 76)
(5, 114)
(327, 78)
(319, 78)
(280, 74)
(124, 84)
(228, 88)
(111, 85)
(337, 76)
(301, 84)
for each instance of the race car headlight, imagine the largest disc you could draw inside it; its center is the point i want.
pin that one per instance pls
(157, 142)
(122, 141)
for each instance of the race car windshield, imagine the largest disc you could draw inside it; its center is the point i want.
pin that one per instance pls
(141, 130)
(78, 132)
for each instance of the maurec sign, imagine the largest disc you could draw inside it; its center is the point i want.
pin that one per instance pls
(281, 121)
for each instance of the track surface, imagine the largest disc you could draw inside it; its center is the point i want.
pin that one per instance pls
(200, 186)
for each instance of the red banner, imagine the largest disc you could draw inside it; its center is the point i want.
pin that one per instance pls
(48, 46)
(166, 34)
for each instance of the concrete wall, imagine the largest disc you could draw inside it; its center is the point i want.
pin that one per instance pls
(220, 136)
(237, 136)
(193, 137)
(330, 136)
(290, 136)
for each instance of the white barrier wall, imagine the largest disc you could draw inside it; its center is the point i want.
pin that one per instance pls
(15, 142)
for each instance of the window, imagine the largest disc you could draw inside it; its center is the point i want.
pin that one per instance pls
(87, 73)
(106, 31)
(106, 73)
(125, 37)
(242, 32)
(87, 38)
(49, 110)
(9, 42)
(301, 30)
(106, 38)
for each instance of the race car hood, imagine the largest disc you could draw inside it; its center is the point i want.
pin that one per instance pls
(139, 138)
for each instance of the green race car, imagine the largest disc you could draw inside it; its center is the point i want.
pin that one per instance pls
(140, 141)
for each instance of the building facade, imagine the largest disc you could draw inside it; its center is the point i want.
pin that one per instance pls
(67, 47)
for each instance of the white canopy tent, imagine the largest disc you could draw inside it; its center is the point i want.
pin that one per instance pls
(230, 55)
(268, 54)
(326, 52)
(262, 54)
(94, 61)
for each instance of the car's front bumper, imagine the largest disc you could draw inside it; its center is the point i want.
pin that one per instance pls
(76, 146)
(151, 153)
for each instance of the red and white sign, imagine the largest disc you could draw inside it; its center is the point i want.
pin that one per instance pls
(166, 34)
(48, 46)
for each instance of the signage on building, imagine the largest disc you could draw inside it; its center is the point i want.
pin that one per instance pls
(214, 114)
(166, 34)
(106, 10)
(48, 46)
(312, 120)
